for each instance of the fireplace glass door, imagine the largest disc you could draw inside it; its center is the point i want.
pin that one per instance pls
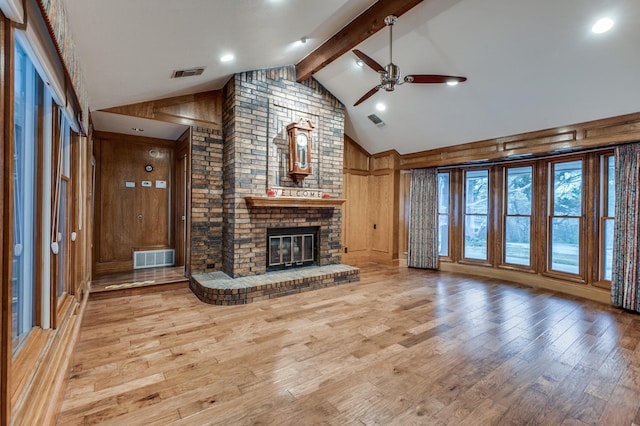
(291, 249)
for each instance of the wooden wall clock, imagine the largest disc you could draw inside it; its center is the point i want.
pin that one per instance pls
(299, 136)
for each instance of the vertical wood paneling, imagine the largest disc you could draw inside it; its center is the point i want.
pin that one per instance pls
(357, 214)
(372, 191)
(355, 157)
(132, 217)
(403, 217)
(381, 193)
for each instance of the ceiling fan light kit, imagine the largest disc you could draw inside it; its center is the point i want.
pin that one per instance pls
(390, 76)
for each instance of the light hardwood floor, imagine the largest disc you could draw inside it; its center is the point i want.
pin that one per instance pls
(401, 347)
(138, 281)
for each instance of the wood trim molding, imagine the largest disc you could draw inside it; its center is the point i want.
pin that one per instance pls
(588, 135)
(293, 202)
(361, 28)
(6, 215)
(108, 136)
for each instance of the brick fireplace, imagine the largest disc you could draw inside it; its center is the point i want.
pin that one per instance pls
(257, 108)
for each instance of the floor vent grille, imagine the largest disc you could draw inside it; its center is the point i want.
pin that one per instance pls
(153, 258)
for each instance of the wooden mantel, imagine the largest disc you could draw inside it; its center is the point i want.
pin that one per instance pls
(293, 202)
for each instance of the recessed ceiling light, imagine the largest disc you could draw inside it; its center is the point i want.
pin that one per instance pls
(227, 58)
(359, 63)
(602, 25)
(380, 106)
(452, 82)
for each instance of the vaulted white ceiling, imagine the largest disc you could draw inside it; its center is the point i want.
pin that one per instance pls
(530, 65)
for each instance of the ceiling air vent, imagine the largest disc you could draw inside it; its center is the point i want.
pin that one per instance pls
(187, 73)
(376, 120)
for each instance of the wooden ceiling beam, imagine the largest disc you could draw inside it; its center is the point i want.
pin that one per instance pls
(361, 28)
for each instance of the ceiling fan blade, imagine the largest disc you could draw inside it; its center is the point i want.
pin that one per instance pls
(432, 78)
(367, 95)
(370, 62)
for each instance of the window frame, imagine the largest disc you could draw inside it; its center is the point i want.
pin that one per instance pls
(22, 361)
(551, 163)
(463, 215)
(36, 93)
(62, 146)
(450, 216)
(603, 215)
(504, 214)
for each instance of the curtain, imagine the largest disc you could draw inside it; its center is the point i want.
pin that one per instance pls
(423, 219)
(626, 248)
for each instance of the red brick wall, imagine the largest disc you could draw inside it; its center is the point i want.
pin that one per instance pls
(206, 200)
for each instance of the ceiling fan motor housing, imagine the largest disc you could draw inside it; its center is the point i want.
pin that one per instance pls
(391, 77)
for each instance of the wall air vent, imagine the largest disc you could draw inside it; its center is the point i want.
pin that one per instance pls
(376, 120)
(188, 73)
(153, 258)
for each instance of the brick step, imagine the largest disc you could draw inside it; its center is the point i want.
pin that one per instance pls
(217, 288)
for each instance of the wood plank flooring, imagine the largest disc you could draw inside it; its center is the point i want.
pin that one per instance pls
(139, 281)
(400, 347)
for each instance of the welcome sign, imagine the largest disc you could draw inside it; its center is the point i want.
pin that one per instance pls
(279, 191)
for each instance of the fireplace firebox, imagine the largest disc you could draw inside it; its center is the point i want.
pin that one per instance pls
(292, 247)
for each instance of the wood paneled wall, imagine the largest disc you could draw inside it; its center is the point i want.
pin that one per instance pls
(591, 134)
(129, 218)
(197, 110)
(404, 204)
(370, 218)
(386, 201)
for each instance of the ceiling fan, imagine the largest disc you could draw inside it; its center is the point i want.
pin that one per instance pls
(390, 75)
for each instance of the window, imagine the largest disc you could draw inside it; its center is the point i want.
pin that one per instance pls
(476, 209)
(443, 214)
(517, 215)
(23, 280)
(62, 220)
(566, 217)
(547, 215)
(607, 214)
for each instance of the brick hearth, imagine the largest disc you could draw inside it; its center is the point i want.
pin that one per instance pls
(217, 288)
